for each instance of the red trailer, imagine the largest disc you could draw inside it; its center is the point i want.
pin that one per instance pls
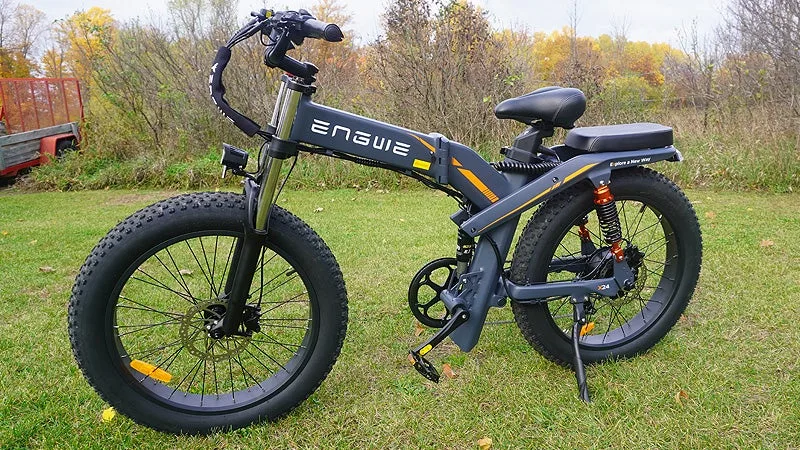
(39, 120)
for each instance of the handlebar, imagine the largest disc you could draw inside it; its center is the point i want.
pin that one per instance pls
(318, 29)
(285, 30)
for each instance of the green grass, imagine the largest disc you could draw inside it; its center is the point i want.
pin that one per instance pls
(735, 353)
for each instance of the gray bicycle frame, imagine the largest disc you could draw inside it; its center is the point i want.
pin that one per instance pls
(497, 199)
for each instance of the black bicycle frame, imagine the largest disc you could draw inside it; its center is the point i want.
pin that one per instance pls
(495, 199)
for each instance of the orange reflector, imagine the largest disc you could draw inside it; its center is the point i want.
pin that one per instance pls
(586, 329)
(151, 371)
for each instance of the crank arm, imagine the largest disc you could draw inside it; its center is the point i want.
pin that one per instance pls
(416, 356)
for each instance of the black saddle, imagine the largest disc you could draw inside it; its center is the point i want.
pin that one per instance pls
(619, 138)
(559, 106)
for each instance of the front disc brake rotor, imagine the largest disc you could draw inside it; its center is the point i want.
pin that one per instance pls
(200, 344)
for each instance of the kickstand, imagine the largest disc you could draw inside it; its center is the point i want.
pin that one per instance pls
(579, 317)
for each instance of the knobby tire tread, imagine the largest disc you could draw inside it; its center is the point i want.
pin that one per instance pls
(163, 210)
(539, 226)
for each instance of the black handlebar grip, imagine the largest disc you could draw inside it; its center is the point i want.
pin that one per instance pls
(318, 29)
(217, 91)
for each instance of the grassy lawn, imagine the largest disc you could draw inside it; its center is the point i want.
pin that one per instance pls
(735, 352)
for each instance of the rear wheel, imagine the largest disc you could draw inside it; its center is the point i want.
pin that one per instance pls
(663, 246)
(147, 297)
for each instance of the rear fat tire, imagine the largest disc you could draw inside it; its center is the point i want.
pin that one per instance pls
(545, 230)
(93, 310)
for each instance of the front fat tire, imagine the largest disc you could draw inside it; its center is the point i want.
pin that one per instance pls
(93, 303)
(545, 230)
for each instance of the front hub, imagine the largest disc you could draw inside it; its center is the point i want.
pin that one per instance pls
(200, 330)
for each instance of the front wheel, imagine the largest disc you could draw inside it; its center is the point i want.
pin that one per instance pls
(148, 294)
(663, 245)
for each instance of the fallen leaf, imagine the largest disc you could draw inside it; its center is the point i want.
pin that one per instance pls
(418, 329)
(711, 215)
(448, 372)
(4, 233)
(108, 414)
(766, 243)
(681, 396)
(749, 209)
(46, 269)
(33, 242)
(318, 210)
(485, 443)
(185, 272)
(402, 220)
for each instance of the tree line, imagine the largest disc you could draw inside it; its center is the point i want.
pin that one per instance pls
(437, 66)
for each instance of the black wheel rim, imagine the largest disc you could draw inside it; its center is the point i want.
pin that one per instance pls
(618, 321)
(167, 297)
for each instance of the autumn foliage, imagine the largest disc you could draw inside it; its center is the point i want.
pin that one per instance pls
(436, 67)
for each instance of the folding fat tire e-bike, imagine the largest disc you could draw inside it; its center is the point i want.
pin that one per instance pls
(211, 311)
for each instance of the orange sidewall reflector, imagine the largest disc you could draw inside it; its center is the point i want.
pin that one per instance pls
(151, 371)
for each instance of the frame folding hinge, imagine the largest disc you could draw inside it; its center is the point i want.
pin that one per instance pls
(441, 159)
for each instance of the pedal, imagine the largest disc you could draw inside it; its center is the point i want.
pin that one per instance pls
(423, 366)
(416, 356)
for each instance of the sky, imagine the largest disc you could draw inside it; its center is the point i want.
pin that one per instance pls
(643, 20)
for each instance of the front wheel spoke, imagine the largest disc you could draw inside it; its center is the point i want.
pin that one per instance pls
(211, 283)
(261, 288)
(299, 319)
(145, 326)
(202, 270)
(169, 271)
(245, 371)
(170, 358)
(289, 300)
(289, 326)
(161, 285)
(177, 269)
(192, 371)
(282, 284)
(214, 369)
(230, 371)
(268, 356)
(225, 269)
(258, 361)
(272, 340)
(203, 380)
(142, 307)
(149, 352)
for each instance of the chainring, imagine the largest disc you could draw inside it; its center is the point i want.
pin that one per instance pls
(424, 290)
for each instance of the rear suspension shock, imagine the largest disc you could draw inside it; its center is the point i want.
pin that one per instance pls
(608, 216)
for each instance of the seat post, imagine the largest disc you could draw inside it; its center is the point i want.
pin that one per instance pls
(527, 143)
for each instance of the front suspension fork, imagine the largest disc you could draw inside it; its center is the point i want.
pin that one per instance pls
(249, 249)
